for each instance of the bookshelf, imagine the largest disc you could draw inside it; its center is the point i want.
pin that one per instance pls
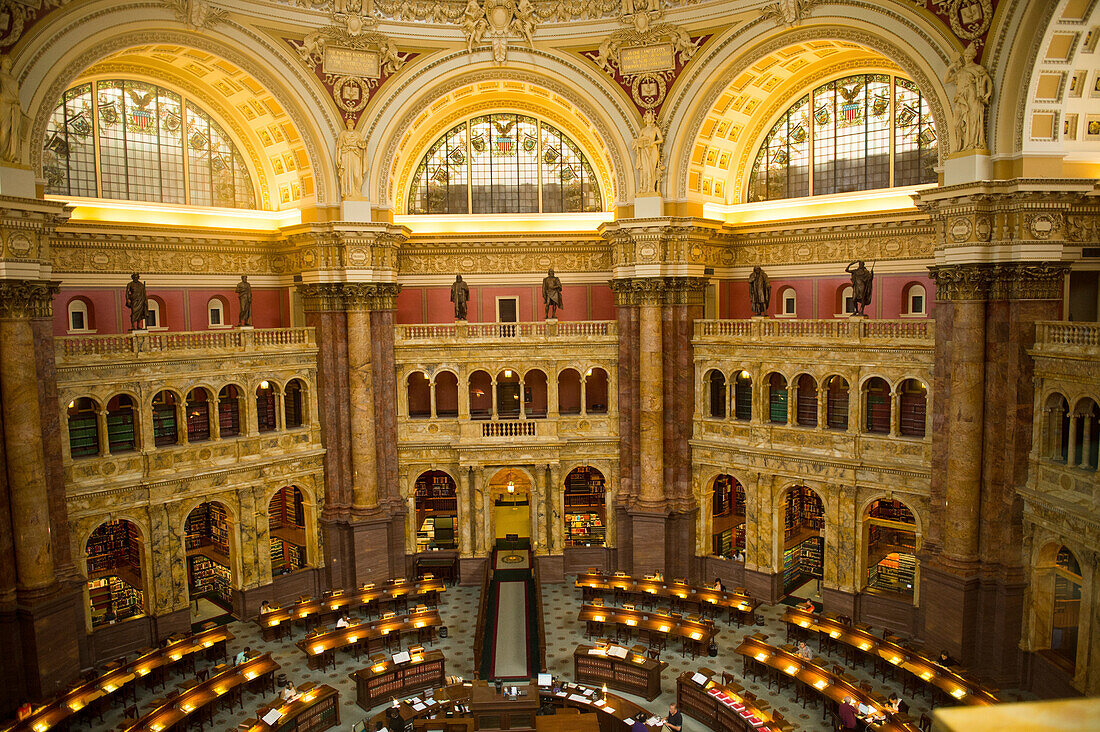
(317, 710)
(265, 409)
(120, 429)
(229, 413)
(436, 500)
(209, 577)
(632, 674)
(198, 419)
(115, 544)
(585, 529)
(803, 511)
(895, 573)
(777, 404)
(83, 431)
(383, 679)
(115, 594)
(802, 561)
(585, 493)
(742, 398)
(286, 517)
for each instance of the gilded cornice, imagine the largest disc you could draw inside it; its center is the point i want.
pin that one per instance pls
(659, 291)
(663, 241)
(504, 257)
(1009, 281)
(348, 296)
(25, 299)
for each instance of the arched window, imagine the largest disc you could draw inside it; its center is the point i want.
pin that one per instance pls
(420, 396)
(446, 394)
(292, 404)
(913, 398)
(198, 415)
(121, 425)
(569, 392)
(154, 314)
(585, 510)
(1086, 430)
(727, 514)
(742, 396)
(140, 142)
(115, 556)
(164, 419)
(287, 524)
(83, 428)
(915, 300)
(1057, 427)
(891, 547)
(1067, 605)
(229, 411)
(876, 406)
(265, 407)
(847, 140)
(80, 316)
(806, 406)
(716, 394)
(215, 312)
(534, 394)
(846, 301)
(504, 163)
(481, 395)
(788, 301)
(508, 388)
(595, 391)
(777, 399)
(836, 403)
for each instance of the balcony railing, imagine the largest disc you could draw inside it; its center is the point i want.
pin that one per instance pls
(1072, 335)
(810, 331)
(464, 332)
(517, 428)
(71, 349)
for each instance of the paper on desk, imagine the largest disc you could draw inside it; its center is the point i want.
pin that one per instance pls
(654, 721)
(272, 717)
(617, 651)
(609, 710)
(699, 679)
(596, 652)
(420, 707)
(577, 698)
(402, 657)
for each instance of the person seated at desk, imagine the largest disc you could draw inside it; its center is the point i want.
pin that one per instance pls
(807, 606)
(380, 727)
(848, 713)
(870, 714)
(265, 607)
(894, 705)
(343, 622)
(25, 710)
(242, 656)
(804, 651)
(639, 723)
(289, 692)
(946, 660)
(718, 584)
(674, 721)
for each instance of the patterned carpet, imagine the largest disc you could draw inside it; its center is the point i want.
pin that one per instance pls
(458, 608)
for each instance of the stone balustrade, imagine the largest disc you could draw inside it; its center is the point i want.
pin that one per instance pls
(81, 349)
(1080, 338)
(544, 331)
(859, 330)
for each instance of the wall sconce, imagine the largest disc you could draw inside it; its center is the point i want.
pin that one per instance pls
(511, 487)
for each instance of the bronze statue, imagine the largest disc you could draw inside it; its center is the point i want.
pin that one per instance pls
(551, 294)
(137, 302)
(760, 291)
(244, 297)
(861, 285)
(460, 295)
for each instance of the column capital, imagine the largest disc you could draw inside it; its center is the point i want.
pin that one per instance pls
(1006, 281)
(24, 299)
(348, 296)
(659, 291)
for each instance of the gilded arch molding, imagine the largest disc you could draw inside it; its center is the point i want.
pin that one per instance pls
(716, 85)
(224, 47)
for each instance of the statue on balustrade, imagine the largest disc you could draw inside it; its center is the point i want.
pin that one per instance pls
(861, 285)
(137, 302)
(460, 295)
(551, 294)
(760, 291)
(244, 297)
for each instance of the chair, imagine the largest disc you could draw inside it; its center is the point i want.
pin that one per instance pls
(925, 723)
(202, 673)
(656, 645)
(866, 686)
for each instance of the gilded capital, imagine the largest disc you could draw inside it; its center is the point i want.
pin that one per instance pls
(1028, 281)
(961, 282)
(21, 299)
(659, 291)
(343, 296)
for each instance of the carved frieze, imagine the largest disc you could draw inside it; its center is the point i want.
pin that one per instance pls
(1008, 281)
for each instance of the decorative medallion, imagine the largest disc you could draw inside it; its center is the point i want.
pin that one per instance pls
(497, 22)
(19, 245)
(961, 228)
(969, 20)
(788, 12)
(984, 228)
(1043, 225)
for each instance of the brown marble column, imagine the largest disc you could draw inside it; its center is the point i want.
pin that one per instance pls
(651, 396)
(364, 459)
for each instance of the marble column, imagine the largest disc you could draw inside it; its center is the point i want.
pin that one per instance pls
(651, 400)
(465, 490)
(213, 417)
(364, 460)
(21, 300)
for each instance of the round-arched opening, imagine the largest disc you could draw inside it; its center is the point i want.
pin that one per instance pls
(1085, 432)
(595, 391)
(914, 300)
(115, 558)
(535, 394)
(420, 395)
(165, 407)
(435, 500)
(727, 515)
(876, 406)
(446, 394)
(229, 411)
(508, 386)
(266, 419)
(845, 301)
(481, 395)
(81, 315)
(293, 404)
(716, 394)
(913, 402)
(286, 516)
(585, 509)
(806, 403)
(1056, 428)
(891, 547)
(836, 403)
(198, 415)
(121, 424)
(777, 398)
(83, 427)
(742, 396)
(510, 491)
(569, 392)
(803, 540)
(1066, 610)
(210, 574)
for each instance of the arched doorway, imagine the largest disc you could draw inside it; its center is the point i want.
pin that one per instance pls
(116, 556)
(1066, 615)
(585, 512)
(510, 494)
(891, 546)
(803, 519)
(286, 517)
(210, 561)
(727, 516)
(435, 500)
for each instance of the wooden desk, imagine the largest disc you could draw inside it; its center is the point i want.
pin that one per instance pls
(119, 679)
(629, 672)
(568, 723)
(333, 603)
(316, 709)
(740, 607)
(493, 710)
(386, 680)
(178, 709)
(696, 634)
(443, 565)
(317, 645)
(815, 675)
(883, 651)
(719, 707)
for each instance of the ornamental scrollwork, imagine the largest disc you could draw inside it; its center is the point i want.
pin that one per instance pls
(21, 299)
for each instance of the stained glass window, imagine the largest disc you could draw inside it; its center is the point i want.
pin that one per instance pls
(504, 163)
(153, 145)
(862, 132)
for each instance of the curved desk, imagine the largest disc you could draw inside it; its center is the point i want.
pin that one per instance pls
(695, 634)
(740, 607)
(318, 645)
(722, 708)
